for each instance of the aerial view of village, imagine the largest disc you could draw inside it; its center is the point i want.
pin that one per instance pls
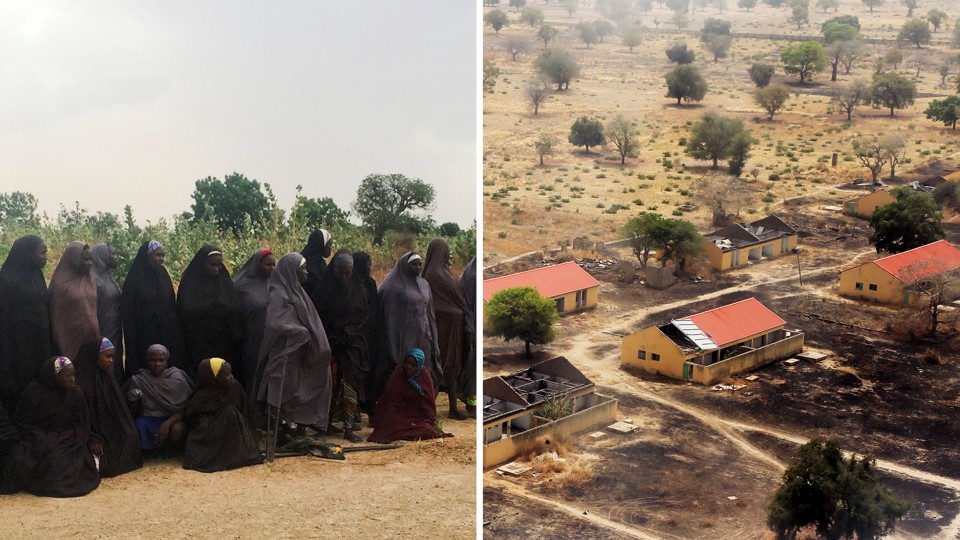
(720, 269)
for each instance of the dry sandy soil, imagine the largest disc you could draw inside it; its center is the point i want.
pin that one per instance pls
(409, 492)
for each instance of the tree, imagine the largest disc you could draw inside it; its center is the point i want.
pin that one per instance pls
(603, 29)
(893, 91)
(714, 27)
(678, 6)
(839, 497)
(852, 51)
(761, 73)
(852, 96)
(537, 92)
(947, 195)
(517, 4)
(587, 132)
(490, 73)
(389, 202)
(448, 229)
(828, 4)
(910, 5)
(531, 15)
(521, 313)
(559, 66)
(318, 213)
(774, 3)
(893, 57)
(739, 152)
(850, 20)
(936, 283)
(909, 222)
(587, 32)
(772, 98)
(673, 239)
(544, 146)
(936, 18)
(944, 110)
(725, 194)
(233, 204)
(641, 231)
(570, 6)
(719, 45)
(803, 59)
(747, 4)
(20, 208)
(497, 19)
(615, 10)
(685, 83)
(632, 35)
(944, 71)
(623, 135)
(680, 54)
(871, 155)
(916, 31)
(799, 14)
(839, 38)
(894, 147)
(712, 136)
(956, 33)
(516, 45)
(872, 4)
(547, 33)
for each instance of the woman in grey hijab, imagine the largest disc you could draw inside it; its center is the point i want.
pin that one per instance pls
(294, 363)
(252, 283)
(108, 301)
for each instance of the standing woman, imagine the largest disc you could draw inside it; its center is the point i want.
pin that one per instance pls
(450, 308)
(208, 310)
(108, 301)
(252, 283)
(361, 272)
(406, 320)
(24, 318)
(148, 308)
(110, 422)
(73, 300)
(294, 354)
(468, 373)
(318, 248)
(343, 310)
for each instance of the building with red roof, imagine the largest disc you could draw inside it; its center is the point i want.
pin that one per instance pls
(713, 345)
(571, 287)
(888, 279)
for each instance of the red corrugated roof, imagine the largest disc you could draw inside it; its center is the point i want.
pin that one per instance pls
(925, 261)
(549, 281)
(734, 322)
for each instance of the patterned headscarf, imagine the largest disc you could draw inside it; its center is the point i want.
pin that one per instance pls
(153, 246)
(106, 345)
(418, 355)
(59, 363)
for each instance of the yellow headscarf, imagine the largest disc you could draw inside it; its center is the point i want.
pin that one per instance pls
(215, 365)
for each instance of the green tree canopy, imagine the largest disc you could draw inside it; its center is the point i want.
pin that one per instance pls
(587, 132)
(839, 497)
(388, 202)
(712, 137)
(531, 15)
(747, 4)
(233, 204)
(872, 4)
(842, 19)
(714, 27)
(761, 73)
(936, 18)
(632, 35)
(678, 53)
(944, 110)
(909, 222)
(892, 91)
(319, 213)
(521, 313)
(672, 239)
(916, 31)
(685, 83)
(804, 59)
(547, 33)
(497, 19)
(588, 33)
(18, 207)
(772, 98)
(559, 66)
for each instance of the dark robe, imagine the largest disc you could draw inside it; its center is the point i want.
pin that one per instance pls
(468, 373)
(294, 361)
(24, 320)
(53, 458)
(73, 303)
(108, 304)
(316, 264)
(343, 311)
(405, 318)
(149, 312)
(402, 413)
(8, 439)
(253, 290)
(450, 307)
(209, 313)
(219, 434)
(361, 270)
(110, 422)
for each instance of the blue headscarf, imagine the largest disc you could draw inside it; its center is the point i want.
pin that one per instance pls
(418, 355)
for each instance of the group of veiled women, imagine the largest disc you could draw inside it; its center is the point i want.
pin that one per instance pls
(297, 340)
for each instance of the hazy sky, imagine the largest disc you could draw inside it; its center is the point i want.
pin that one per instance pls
(130, 102)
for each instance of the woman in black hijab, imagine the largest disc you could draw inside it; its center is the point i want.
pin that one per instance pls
(55, 455)
(149, 309)
(252, 283)
(25, 341)
(468, 373)
(208, 309)
(362, 265)
(110, 422)
(220, 436)
(318, 248)
(108, 301)
(343, 310)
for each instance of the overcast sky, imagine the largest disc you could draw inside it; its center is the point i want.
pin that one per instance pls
(123, 102)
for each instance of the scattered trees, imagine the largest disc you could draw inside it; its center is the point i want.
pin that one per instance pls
(516, 45)
(18, 207)
(893, 91)
(852, 96)
(713, 138)
(587, 132)
(537, 92)
(839, 38)
(685, 83)
(497, 19)
(559, 65)
(319, 212)
(388, 202)
(570, 6)
(544, 146)
(521, 313)
(680, 54)
(531, 15)
(839, 497)
(916, 31)
(772, 98)
(615, 10)
(909, 222)
(761, 73)
(804, 59)
(944, 110)
(623, 135)
(603, 29)
(672, 239)
(517, 4)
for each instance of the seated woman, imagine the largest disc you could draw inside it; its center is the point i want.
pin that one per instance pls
(55, 454)
(220, 436)
(111, 425)
(157, 395)
(407, 409)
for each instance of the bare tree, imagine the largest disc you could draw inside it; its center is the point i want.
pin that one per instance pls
(852, 96)
(517, 45)
(544, 146)
(623, 136)
(725, 194)
(537, 91)
(852, 53)
(871, 155)
(936, 283)
(894, 147)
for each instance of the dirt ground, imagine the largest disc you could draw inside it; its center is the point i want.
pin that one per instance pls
(400, 493)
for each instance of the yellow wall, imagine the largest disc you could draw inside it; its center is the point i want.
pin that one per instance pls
(721, 261)
(759, 357)
(570, 300)
(652, 340)
(889, 289)
(866, 205)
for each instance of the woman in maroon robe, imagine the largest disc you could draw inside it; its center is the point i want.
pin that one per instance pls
(407, 410)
